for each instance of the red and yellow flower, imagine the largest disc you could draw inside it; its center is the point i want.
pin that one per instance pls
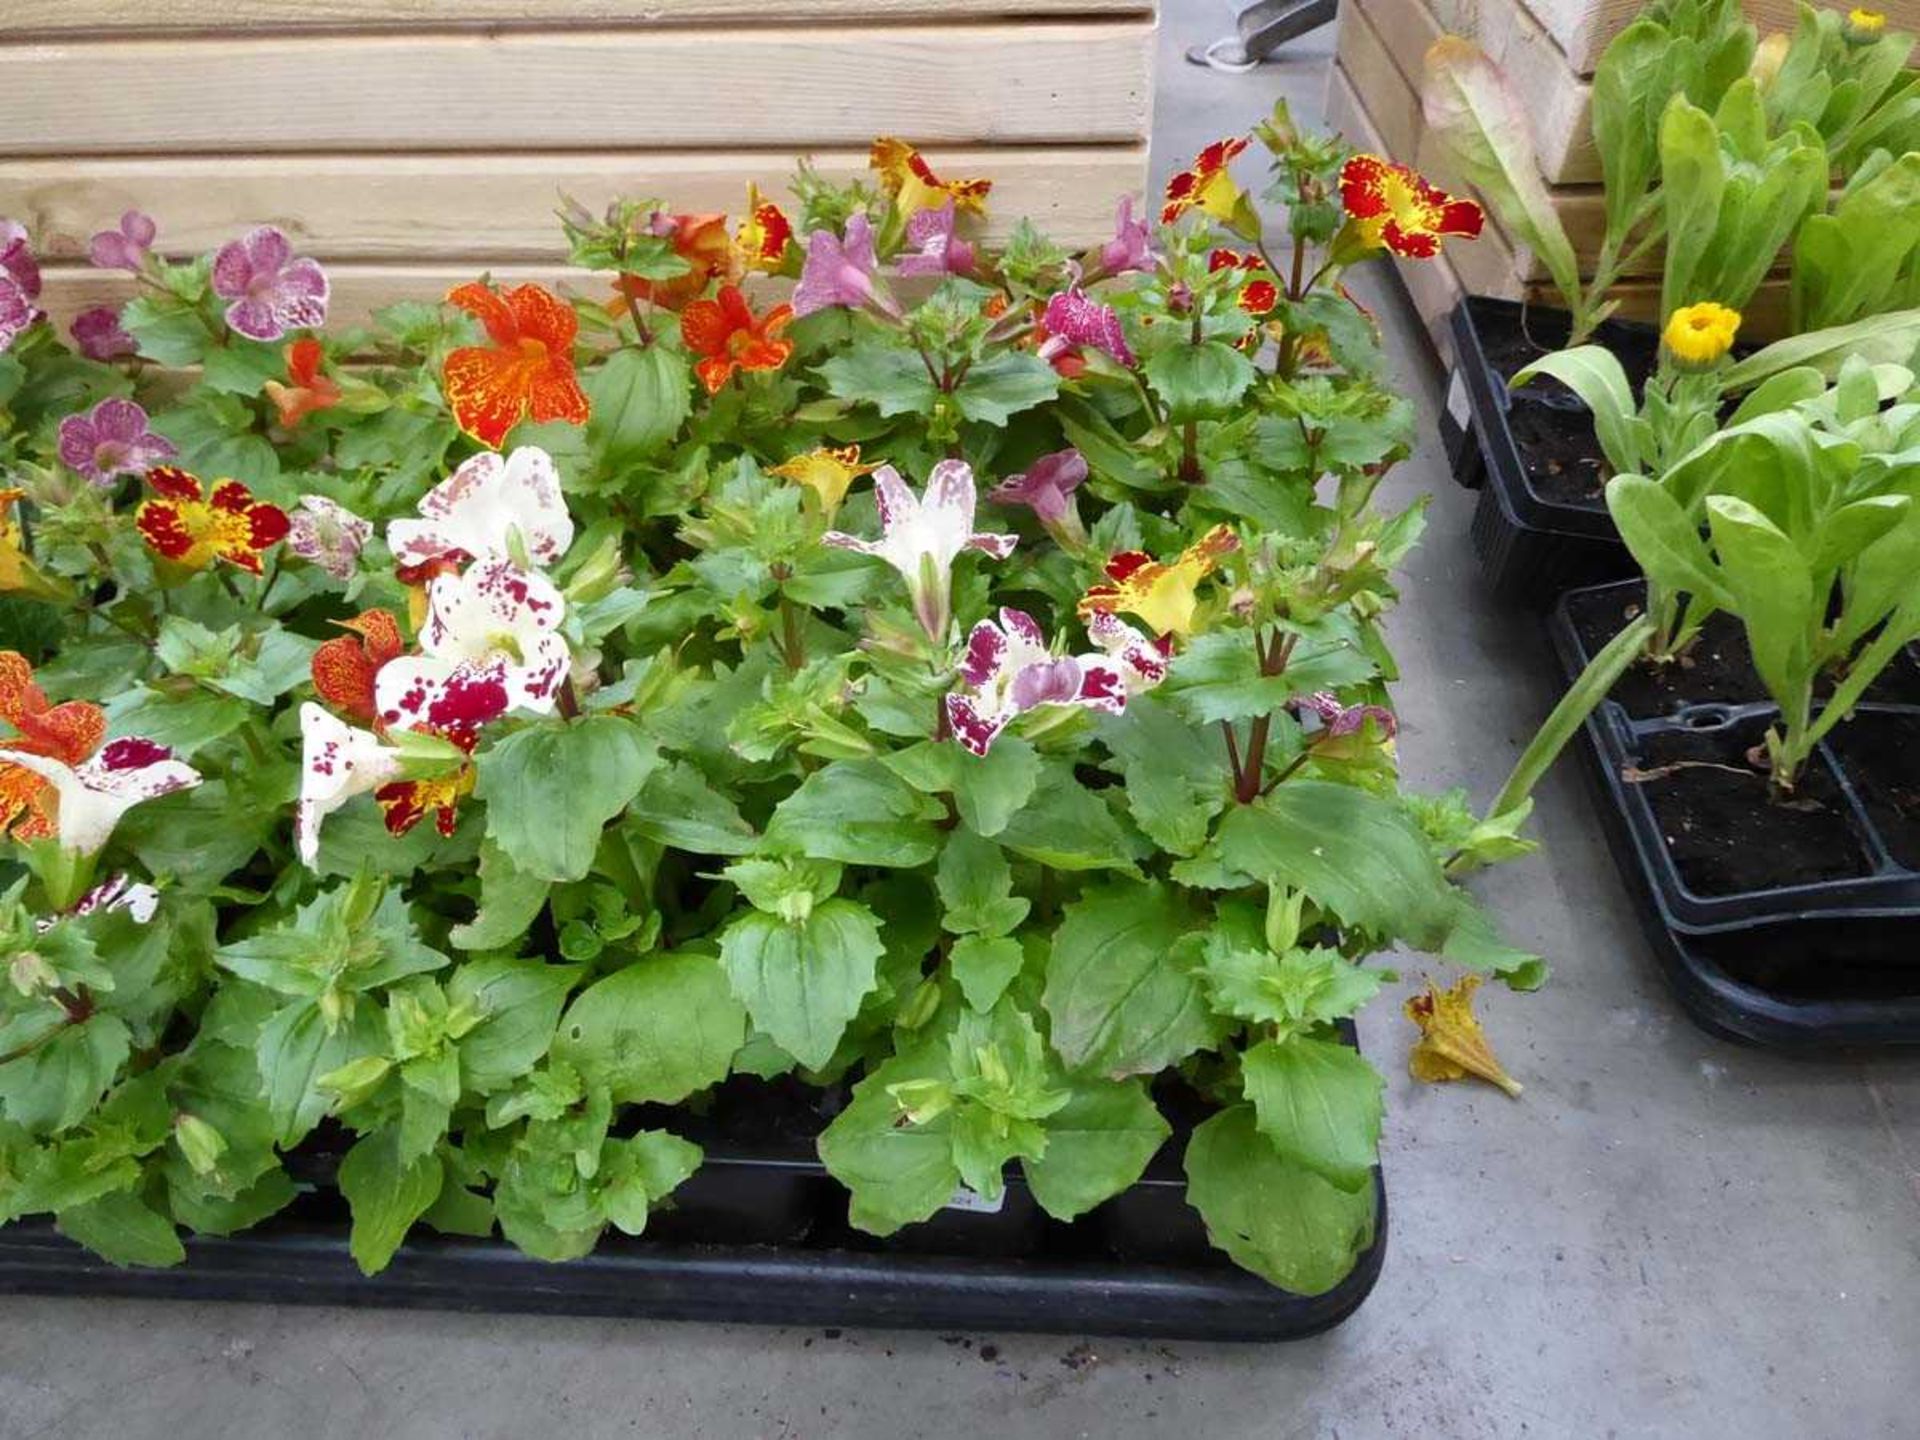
(308, 390)
(906, 176)
(700, 240)
(19, 574)
(1257, 297)
(1206, 185)
(68, 732)
(827, 471)
(727, 336)
(344, 667)
(527, 370)
(186, 524)
(1162, 594)
(1393, 207)
(764, 235)
(405, 803)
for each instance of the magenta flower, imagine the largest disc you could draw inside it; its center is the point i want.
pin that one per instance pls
(98, 334)
(1130, 248)
(125, 248)
(1074, 318)
(272, 290)
(1047, 489)
(329, 535)
(1338, 720)
(1008, 670)
(19, 282)
(110, 441)
(840, 272)
(939, 250)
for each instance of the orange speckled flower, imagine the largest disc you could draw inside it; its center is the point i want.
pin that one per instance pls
(193, 528)
(1395, 207)
(906, 176)
(344, 667)
(310, 390)
(725, 333)
(1206, 185)
(68, 732)
(526, 372)
(1160, 594)
(700, 240)
(764, 235)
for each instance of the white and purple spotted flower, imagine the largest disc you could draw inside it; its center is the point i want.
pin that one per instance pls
(19, 282)
(1046, 487)
(489, 645)
(840, 272)
(922, 536)
(337, 762)
(111, 440)
(271, 290)
(937, 248)
(326, 533)
(125, 247)
(120, 892)
(96, 793)
(1074, 318)
(1141, 659)
(99, 335)
(476, 511)
(1339, 721)
(1131, 247)
(1008, 670)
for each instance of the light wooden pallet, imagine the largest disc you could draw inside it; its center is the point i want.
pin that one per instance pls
(1582, 28)
(411, 143)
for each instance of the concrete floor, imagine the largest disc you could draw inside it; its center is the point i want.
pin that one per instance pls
(1667, 1236)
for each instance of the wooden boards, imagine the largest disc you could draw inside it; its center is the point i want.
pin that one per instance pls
(1582, 28)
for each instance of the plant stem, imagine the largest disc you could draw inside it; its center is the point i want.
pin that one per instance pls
(794, 643)
(1273, 661)
(567, 701)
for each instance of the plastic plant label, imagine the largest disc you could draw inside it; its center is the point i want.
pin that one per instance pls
(1457, 399)
(973, 1202)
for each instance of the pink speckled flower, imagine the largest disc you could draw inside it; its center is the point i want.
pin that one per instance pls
(99, 336)
(328, 534)
(126, 247)
(1074, 318)
(19, 282)
(1047, 489)
(1008, 670)
(110, 441)
(840, 272)
(1341, 720)
(938, 250)
(272, 291)
(1130, 247)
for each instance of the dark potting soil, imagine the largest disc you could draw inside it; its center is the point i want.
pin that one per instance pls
(1725, 835)
(1716, 670)
(1881, 754)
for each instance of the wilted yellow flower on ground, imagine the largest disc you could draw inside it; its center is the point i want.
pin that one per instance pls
(1451, 1044)
(1700, 334)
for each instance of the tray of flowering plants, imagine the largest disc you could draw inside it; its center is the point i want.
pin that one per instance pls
(1715, 146)
(846, 776)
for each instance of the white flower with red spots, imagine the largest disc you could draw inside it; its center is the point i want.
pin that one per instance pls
(489, 646)
(1008, 670)
(475, 512)
(921, 536)
(92, 796)
(337, 762)
(1141, 659)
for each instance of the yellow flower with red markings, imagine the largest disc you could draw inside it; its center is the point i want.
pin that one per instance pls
(185, 523)
(1162, 594)
(525, 372)
(1395, 208)
(19, 575)
(906, 176)
(1206, 185)
(827, 471)
(1257, 297)
(405, 803)
(764, 235)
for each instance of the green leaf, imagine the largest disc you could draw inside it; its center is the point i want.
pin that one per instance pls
(1275, 1218)
(891, 378)
(168, 331)
(56, 1085)
(551, 789)
(802, 982)
(1693, 179)
(1199, 382)
(124, 1230)
(385, 1196)
(657, 1030)
(984, 965)
(1319, 1102)
(859, 813)
(1097, 1145)
(1664, 540)
(1218, 676)
(640, 399)
(510, 901)
(1176, 774)
(1772, 592)
(1122, 1001)
(988, 790)
(998, 387)
(895, 1174)
(1592, 373)
(1069, 827)
(295, 1050)
(678, 807)
(976, 887)
(520, 1001)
